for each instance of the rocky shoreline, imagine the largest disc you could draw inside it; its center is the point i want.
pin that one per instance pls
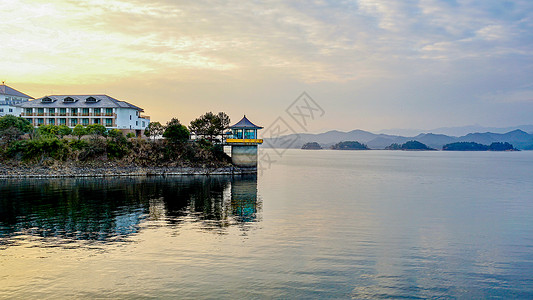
(115, 171)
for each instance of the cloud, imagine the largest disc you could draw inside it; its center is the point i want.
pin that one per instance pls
(361, 47)
(515, 96)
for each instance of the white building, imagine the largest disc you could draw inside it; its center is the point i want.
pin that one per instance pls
(9, 97)
(71, 110)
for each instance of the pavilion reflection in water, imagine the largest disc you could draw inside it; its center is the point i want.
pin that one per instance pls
(110, 209)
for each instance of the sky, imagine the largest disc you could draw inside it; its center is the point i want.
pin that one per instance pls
(367, 64)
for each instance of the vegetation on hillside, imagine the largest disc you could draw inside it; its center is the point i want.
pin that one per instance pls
(168, 145)
(410, 145)
(349, 145)
(471, 146)
(312, 146)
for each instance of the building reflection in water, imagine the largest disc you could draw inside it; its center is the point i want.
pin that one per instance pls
(111, 209)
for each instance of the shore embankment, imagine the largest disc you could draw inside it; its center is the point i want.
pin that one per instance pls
(64, 171)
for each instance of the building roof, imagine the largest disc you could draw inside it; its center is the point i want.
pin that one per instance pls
(6, 90)
(78, 101)
(245, 123)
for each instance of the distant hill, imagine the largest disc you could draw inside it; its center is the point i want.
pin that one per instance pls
(457, 131)
(473, 146)
(312, 146)
(518, 138)
(410, 145)
(349, 145)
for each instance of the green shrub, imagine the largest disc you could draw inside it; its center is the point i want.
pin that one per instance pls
(40, 148)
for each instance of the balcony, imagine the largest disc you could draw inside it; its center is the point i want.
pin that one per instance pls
(244, 141)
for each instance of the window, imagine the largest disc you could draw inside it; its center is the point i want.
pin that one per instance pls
(237, 133)
(74, 111)
(40, 111)
(62, 111)
(47, 100)
(51, 111)
(73, 122)
(130, 117)
(40, 121)
(96, 121)
(62, 121)
(97, 111)
(51, 121)
(29, 111)
(10, 110)
(85, 121)
(69, 100)
(144, 124)
(1, 110)
(249, 134)
(108, 111)
(91, 100)
(108, 122)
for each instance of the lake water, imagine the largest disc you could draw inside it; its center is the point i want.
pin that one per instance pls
(316, 224)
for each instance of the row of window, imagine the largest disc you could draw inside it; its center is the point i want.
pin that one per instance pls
(108, 111)
(16, 99)
(72, 122)
(248, 133)
(2, 110)
(69, 100)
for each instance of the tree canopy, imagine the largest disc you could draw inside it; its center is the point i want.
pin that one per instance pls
(210, 125)
(12, 128)
(154, 129)
(349, 145)
(175, 132)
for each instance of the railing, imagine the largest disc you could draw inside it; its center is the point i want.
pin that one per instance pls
(244, 141)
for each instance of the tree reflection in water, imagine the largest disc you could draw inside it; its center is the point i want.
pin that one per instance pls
(109, 209)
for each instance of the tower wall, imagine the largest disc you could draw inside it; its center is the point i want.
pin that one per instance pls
(244, 155)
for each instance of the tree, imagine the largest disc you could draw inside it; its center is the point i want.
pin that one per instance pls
(79, 131)
(12, 128)
(175, 132)
(115, 134)
(47, 130)
(210, 125)
(63, 130)
(96, 130)
(154, 130)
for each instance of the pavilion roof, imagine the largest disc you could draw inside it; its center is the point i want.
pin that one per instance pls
(245, 123)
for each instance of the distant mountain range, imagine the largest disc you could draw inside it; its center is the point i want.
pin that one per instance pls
(518, 138)
(457, 131)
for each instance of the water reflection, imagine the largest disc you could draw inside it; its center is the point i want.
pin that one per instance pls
(106, 209)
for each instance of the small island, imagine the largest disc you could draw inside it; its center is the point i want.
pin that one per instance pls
(312, 146)
(471, 146)
(410, 146)
(349, 145)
